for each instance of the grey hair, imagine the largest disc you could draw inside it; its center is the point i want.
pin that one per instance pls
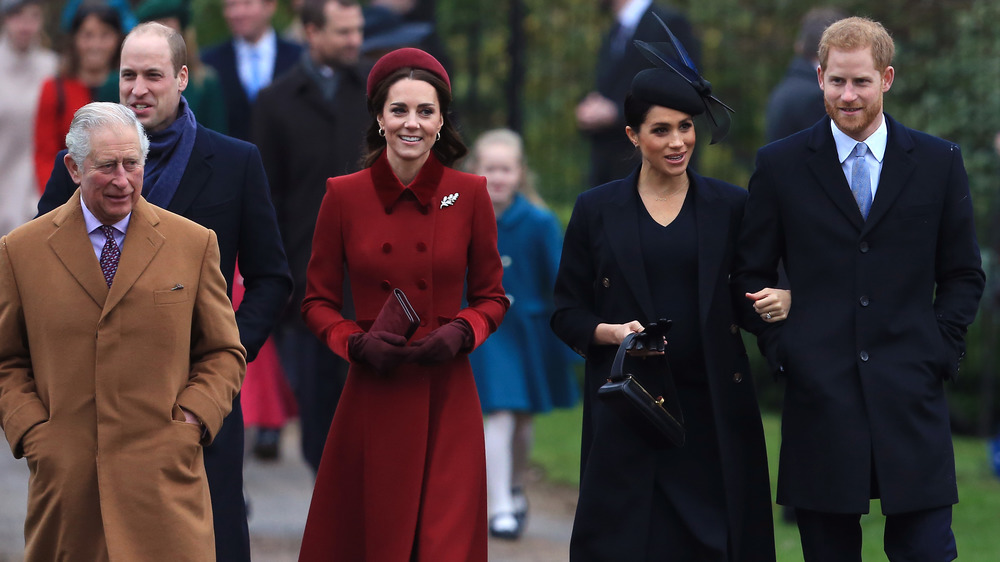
(99, 115)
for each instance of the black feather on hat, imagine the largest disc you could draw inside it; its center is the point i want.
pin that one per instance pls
(675, 83)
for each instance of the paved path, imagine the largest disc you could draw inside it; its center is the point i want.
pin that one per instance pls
(279, 494)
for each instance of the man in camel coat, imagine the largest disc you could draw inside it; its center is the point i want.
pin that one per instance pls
(119, 359)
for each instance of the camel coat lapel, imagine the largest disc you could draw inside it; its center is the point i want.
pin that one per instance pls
(142, 242)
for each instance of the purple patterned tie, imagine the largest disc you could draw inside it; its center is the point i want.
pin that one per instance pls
(109, 255)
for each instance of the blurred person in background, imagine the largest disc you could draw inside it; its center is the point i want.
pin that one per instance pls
(522, 369)
(310, 126)
(90, 57)
(386, 30)
(24, 65)
(393, 24)
(295, 32)
(796, 103)
(599, 115)
(250, 60)
(123, 7)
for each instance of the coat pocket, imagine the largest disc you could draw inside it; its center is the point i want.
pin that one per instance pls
(170, 296)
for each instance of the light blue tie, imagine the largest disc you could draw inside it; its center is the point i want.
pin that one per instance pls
(254, 85)
(861, 183)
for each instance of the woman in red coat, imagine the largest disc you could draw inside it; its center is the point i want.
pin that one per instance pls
(403, 473)
(91, 55)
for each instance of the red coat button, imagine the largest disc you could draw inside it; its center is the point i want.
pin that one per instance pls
(421, 284)
(386, 248)
(421, 247)
(386, 285)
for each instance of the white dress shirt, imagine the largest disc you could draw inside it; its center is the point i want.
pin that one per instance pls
(874, 157)
(256, 70)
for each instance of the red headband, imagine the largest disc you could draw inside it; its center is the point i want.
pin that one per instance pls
(407, 57)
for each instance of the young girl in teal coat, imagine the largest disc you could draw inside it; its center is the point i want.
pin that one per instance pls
(522, 369)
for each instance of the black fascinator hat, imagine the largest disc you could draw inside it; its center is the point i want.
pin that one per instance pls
(675, 83)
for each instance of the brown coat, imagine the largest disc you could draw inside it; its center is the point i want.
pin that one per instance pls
(98, 375)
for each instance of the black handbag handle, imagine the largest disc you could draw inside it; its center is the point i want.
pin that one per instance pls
(618, 365)
(671, 403)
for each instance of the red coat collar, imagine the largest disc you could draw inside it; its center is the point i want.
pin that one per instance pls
(390, 189)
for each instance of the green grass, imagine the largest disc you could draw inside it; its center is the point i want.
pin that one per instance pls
(976, 518)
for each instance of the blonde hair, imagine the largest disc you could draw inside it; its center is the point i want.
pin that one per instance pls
(508, 138)
(854, 33)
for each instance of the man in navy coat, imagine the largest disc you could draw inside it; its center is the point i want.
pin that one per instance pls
(250, 60)
(218, 182)
(874, 224)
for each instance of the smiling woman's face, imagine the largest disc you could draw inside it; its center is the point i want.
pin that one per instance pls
(96, 43)
(666, 139)
(411, 118)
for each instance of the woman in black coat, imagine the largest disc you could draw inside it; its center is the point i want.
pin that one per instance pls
(660, 244)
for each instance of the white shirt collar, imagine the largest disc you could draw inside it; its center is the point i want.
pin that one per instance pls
(876, 141)
(266, 46)
(632, 12)
(93, 223)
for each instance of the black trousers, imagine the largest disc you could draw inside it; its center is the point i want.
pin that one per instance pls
(224, 467)
(317, 377)
(918, 536)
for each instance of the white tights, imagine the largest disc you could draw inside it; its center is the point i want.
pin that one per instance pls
(509, 437)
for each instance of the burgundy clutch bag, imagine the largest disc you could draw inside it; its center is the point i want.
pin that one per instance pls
(397, 316)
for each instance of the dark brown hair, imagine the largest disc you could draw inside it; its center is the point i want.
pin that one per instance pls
(108, 16)
(314, 11)
(449, 149)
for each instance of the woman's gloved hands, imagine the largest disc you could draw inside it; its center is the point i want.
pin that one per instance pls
(443, 344)
(382, 351)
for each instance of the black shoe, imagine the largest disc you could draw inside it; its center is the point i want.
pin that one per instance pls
(505, 526)
(266, 446)
(520, 505)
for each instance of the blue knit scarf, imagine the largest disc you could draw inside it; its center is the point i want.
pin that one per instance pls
(169, 152)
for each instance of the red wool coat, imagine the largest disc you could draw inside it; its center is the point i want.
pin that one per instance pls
(52, 121)
(403, 470)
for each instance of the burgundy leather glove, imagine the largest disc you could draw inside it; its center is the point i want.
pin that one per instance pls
(382, 351)
(443, 344)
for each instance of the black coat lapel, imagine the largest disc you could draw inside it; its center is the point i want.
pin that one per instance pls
(712, 224)
(621, 225)
(196, 175)
(897, 167)
(308, 91)
(825, 166)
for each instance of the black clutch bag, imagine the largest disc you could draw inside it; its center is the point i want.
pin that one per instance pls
(397, 316)
(647, 415)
